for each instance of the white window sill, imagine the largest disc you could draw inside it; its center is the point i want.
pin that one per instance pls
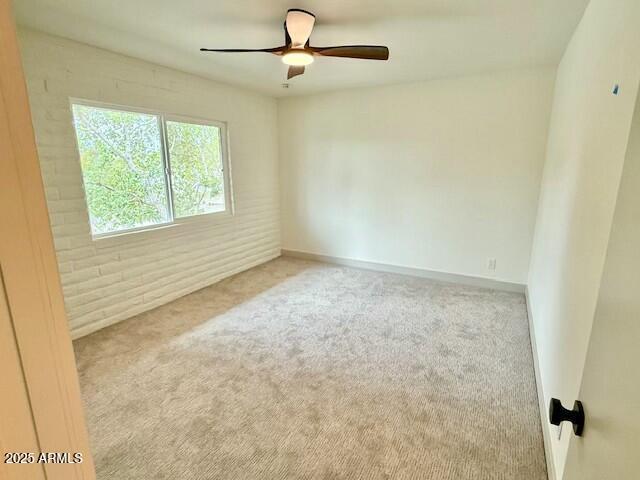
(160, 230)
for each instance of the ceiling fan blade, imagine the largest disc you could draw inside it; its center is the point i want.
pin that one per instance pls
(294, 71)
(298, 25)
(367, 52)
(274, 50)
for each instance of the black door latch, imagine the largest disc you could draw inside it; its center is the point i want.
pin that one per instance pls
(559, 414)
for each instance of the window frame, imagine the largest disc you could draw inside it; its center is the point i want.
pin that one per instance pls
(163, 117)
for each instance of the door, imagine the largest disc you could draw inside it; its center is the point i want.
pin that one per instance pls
(17, 432)
(40, 404)
(610, 391)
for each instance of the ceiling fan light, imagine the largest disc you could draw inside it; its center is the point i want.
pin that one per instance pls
(297, 59)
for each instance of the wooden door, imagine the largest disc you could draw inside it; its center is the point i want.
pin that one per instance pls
(40, 390)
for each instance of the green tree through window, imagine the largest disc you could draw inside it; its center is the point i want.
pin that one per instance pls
(196, 168)
(125, 172)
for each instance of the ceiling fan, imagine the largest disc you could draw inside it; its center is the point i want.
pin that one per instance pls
(296, 52)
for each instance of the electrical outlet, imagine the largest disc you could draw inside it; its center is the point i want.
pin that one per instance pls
(491, 264)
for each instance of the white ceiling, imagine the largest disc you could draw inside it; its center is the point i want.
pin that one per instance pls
(427, 38)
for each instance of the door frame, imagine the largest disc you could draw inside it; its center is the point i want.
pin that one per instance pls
(31, 280)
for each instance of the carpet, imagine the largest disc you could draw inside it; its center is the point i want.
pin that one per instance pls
(303, 370)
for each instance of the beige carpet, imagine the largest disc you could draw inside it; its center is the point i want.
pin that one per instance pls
(301, 370)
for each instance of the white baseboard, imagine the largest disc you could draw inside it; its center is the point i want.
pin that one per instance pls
(544, 421)
(414, 272)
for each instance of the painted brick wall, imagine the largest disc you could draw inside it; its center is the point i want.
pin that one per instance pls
(112, 279)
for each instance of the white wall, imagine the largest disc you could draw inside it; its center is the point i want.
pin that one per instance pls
(587, 143)
(439, 175)
(108, 280)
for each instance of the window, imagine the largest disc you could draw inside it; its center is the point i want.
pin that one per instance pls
(142, 169)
